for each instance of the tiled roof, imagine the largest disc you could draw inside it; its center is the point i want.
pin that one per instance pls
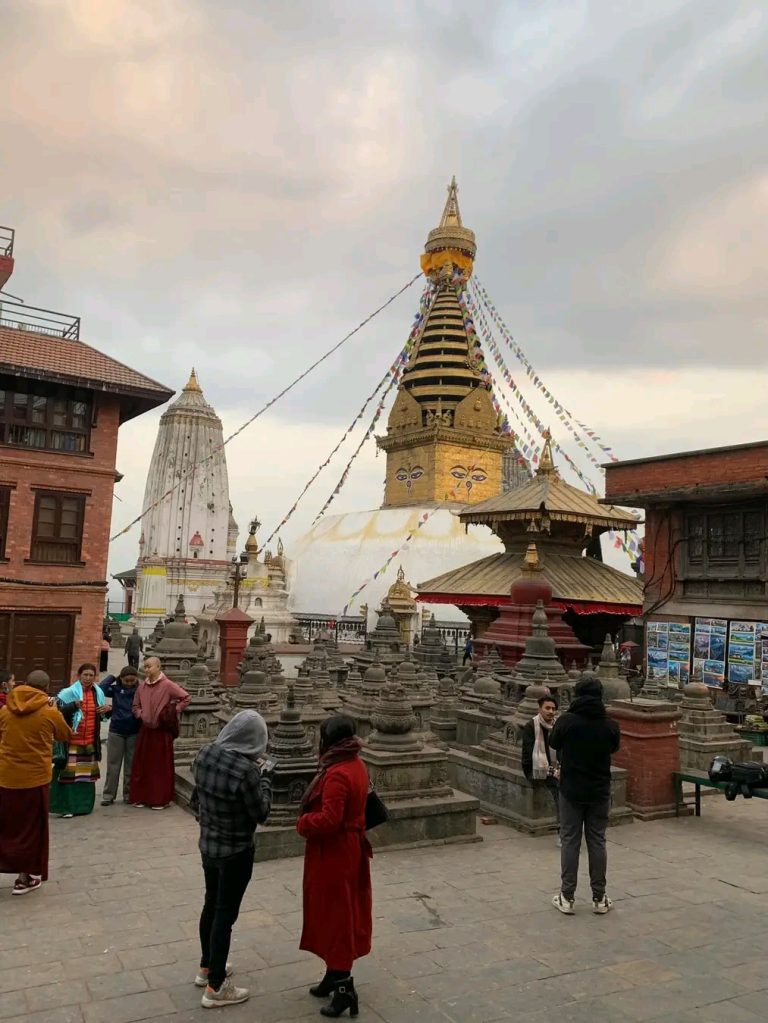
(571, 577)
(66, 360)
(560, 499)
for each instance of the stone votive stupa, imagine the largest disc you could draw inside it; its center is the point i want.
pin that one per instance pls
(361, 703)
(705, 733)
(177, 650)
(444, 714)
(203, 718)
(615, 685)
(295, 767)
(412, 779)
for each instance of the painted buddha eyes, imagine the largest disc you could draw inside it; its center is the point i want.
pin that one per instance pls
(409, 476)
(471, 476)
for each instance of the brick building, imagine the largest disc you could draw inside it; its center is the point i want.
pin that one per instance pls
(706, 559)
(61, 405)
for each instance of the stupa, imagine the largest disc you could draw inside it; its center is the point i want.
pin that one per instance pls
(183, 549)
(203, 718)
(295, 767)
(565, 525)
(177, 649)
(412, 779)
(445, 447)
(262, 593)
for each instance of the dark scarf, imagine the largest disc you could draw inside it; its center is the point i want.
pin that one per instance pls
(347, 749)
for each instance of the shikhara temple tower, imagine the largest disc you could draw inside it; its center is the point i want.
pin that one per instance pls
(188, 533)
(444, 437)
(446, 445)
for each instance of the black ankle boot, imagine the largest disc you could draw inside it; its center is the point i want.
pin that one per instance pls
(325, 987)
(344, 997)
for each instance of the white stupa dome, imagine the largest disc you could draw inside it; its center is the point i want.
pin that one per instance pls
(344, 551)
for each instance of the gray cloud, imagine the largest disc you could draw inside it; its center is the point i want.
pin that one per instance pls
(237, 184)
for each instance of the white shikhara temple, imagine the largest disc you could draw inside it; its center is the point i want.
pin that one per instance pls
(188, 533)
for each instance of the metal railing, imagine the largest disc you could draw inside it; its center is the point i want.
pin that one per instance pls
(38, 321)
(7, 234)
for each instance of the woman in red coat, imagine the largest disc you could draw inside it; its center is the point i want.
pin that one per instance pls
(337, 870)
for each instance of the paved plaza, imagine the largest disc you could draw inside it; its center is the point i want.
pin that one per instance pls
(463, 933)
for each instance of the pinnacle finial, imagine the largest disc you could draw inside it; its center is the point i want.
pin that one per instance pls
(546, 461)
(451, 215)
(193, 384)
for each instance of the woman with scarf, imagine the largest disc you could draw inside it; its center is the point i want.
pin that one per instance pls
(538, 761)
(233, 794)
(337, 871)
(76, 764)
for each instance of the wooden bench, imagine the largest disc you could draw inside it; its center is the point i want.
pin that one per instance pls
(700, 779)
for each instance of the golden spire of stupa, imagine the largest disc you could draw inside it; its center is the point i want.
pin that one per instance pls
(451, 244)
(192, 384)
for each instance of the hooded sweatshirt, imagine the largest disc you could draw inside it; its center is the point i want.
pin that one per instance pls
(585, 737)
(28, 728)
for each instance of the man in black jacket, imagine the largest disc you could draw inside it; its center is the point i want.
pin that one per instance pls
(538, 762)
(585, 738)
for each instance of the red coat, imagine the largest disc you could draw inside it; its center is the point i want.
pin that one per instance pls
(337, 871)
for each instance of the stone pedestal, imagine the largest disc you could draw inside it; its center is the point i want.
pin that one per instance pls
(649, 753)
(412, 779)
(705, 733)
(233, 636)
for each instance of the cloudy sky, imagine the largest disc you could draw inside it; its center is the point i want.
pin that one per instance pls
(235, 184)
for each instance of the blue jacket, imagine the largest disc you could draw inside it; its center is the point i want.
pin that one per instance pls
(121, 720)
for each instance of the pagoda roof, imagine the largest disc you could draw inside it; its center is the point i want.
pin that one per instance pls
(548, 493)
(585, 582)
(69, 361)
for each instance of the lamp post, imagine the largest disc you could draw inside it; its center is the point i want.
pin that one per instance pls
(238, 573)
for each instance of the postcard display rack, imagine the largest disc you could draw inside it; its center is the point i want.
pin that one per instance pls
(716, 651)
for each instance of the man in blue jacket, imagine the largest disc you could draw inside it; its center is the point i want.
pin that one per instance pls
(123, 729)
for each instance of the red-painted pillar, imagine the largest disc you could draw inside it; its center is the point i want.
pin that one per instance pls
(233, 637)
(649, 753)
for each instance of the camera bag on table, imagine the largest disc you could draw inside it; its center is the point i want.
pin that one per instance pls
(738, 777)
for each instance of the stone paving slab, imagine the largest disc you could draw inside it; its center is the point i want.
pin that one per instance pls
(463, 933)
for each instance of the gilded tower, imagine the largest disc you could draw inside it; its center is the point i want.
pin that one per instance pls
(444, 441)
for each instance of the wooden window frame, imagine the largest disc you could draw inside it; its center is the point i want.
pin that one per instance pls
(12, 428)
(39, 543)
(5, 515)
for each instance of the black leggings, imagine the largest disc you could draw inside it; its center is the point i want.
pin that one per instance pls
(225, 883)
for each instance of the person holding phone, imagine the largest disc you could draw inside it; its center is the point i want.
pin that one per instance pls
(232, 795)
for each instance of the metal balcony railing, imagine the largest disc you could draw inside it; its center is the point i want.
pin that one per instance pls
(7, 234)
(38, 321)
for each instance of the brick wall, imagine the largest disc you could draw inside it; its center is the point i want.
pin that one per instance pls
(649, 753)
(746, 464)
(94, 476)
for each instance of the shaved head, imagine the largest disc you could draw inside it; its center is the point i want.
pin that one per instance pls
(39, 680)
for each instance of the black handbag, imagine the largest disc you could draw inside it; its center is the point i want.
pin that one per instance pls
(376, 812)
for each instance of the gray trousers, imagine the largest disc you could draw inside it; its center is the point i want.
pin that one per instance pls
(591, 819)
(119, 754)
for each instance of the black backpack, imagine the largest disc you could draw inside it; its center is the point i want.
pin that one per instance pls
(740, 778)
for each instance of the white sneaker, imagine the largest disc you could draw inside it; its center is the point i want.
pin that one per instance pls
(201, 980)
(601, 906)
(560, 902)
(227, 994)
(558, 842)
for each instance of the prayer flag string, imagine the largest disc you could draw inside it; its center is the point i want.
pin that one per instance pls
(331, 351)
(394, 370)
